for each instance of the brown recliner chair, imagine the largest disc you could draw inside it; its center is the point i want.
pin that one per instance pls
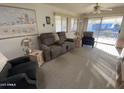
(49, 46)
(52, 48)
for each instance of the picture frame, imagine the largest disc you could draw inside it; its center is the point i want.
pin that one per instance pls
(17, 22)
(47, 20)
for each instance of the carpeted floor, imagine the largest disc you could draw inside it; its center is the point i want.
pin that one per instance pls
(78, 69)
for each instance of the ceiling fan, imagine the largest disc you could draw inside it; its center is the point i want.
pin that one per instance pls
(97, 9)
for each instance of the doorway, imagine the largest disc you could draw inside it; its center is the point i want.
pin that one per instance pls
(106, 29)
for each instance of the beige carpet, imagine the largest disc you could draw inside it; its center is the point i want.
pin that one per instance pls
(78, 69)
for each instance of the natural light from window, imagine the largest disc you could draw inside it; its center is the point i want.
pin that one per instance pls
(112, 50)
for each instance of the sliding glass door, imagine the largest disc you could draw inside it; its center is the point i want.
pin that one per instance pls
(94, 26)
(110, 27)
(105, 29)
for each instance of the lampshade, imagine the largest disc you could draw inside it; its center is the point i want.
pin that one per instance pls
(26, 44)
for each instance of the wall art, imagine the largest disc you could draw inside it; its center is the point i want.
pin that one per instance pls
(16, 22)
(47, 19)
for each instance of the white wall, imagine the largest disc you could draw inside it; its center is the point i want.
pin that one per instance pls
(11, 47)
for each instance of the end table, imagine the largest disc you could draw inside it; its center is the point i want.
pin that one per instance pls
(78, 43)
(37, 55)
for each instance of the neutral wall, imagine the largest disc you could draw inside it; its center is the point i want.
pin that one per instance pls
(11, 47)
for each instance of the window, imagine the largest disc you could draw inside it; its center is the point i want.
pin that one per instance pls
(105, 29)
(93, 24)
(58, 23)
(61, 23)
(74, 24)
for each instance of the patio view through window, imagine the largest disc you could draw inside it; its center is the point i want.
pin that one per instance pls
(105, 29)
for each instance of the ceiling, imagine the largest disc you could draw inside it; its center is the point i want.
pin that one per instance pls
(84, 8)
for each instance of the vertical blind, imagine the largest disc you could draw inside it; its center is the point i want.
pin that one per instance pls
(65, 23)
(61, 23)
(74, 23)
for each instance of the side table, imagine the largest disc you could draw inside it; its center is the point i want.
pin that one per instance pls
(37, 56)
(78, 43)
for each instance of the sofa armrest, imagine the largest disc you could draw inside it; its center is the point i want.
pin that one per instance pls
(44, 47)
(17, 81)
(59, 42)
(19, 60)
(46, 52)
(70, 40)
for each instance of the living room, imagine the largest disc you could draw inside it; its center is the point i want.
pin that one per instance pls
(55, 36)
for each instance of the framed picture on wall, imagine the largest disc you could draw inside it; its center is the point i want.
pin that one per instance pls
(15, 21)
(47, 20)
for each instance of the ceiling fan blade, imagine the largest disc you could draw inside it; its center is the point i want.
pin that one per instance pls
(97, 9)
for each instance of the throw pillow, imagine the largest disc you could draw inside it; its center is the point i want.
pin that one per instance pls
(56, 37)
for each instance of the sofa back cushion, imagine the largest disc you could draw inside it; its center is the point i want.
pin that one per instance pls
(47, 38)
(62, 36)
(88, 34)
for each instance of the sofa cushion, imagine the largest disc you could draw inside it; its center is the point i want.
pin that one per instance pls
(48, 41)
(55, 50)
(47, 38)
(62, 36)
(70, 45)
(64, 47)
